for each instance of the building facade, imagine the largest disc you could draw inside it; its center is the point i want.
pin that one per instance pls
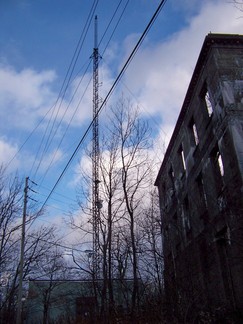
(72, 301)
(200, 186)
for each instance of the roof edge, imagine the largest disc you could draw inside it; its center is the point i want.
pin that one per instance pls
(210, 40)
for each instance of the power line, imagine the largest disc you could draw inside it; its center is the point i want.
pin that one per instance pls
(57, 193)
(112, 34)
(125, 66)
(74, 113)
(62, 90)
(67, 80)
(62, 93)
(56, 244)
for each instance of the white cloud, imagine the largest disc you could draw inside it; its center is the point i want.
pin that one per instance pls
(7, 152)
(78, 106)
(27, 96)
(51, 159)
(166, 68)
(82, 170)
(158, 77)
(23, 95)
(27, 86)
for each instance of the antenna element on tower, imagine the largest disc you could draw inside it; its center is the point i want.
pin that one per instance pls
(96, 205)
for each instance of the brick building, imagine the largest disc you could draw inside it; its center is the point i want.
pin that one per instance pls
(200, 185)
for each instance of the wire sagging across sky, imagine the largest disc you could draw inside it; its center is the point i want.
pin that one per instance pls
(115, 83)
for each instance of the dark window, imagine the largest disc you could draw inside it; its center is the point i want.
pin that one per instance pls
(186, 215)
(223, 235)
(172, 175)
(171, 179)
(175, 217)
(166, 232)
(201, 189)
(85, 308)
(163, 193)
(175, 224)
(217, 169)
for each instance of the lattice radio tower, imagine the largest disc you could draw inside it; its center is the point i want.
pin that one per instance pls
(96, 204)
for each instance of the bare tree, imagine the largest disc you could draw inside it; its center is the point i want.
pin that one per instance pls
(238, 4)
(37, 244)
(125, 182)
(125, 169)
(134, 141)
(10, 210)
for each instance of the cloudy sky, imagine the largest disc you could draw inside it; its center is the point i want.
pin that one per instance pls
(46, 74)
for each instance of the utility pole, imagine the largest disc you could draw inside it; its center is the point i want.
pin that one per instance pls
(21, 263)
(96, 204)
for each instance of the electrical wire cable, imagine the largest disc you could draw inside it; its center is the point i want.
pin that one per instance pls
(65, 86)
(56, 244)
(108, 26)
(74, 113)
(112, 34)
(125, 66)
(73, 62)
(86, 71)
(71, 119)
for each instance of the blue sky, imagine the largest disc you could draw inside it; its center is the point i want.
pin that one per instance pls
(37, 43)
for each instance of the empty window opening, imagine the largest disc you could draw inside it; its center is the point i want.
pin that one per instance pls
(166, 232)
(171, 173)
(218, 168)
(220, 164)
(223, 235)
(163, 193)
(186, 215)
(207, 99)
(208, 103)
(201, 189)
(171, 178)
(195, 134)
(175, 223)
(183, 159)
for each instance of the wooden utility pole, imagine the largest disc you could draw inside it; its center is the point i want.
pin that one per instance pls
(21, 263)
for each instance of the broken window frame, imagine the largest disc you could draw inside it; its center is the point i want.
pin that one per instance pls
(194, 132)
(182, 158)
(220, 164)
(218, 161)
(207, 99)
(208, 102)
(218, 168)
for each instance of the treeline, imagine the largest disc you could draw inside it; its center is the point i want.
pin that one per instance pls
(129, 227)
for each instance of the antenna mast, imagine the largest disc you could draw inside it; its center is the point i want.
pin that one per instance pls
(96, 204)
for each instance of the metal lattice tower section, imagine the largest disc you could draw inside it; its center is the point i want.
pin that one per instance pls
(95, 157)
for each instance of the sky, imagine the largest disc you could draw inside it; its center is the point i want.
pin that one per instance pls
(46, 88)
